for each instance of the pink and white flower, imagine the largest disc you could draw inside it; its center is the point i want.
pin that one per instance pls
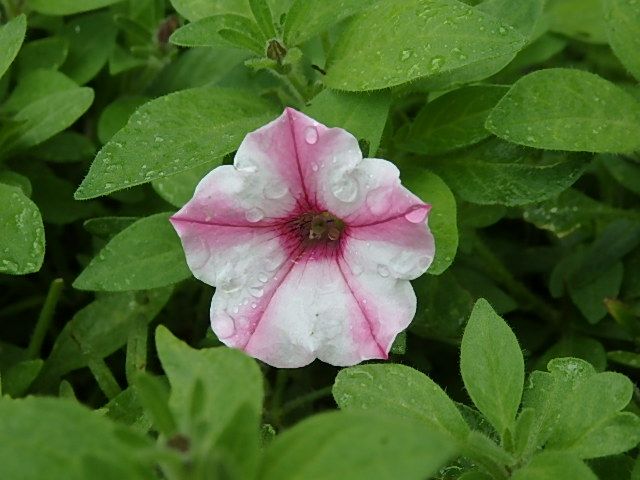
(310, 246)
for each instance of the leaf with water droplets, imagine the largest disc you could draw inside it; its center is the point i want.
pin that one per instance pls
(563, 109)
(442, 217)
(524, 15)
(22, 238)
(11, 38)
(207, 33)
(579, 19)
(395, 42)
(402, 391)
(453, 120)
(623, 29)
(68, 7)
(172, 134)
(147, 254)
(496, 172)
(363, 115)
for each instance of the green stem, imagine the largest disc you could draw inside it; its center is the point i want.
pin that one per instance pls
(278, 391)
(45, 317)
(305, 399)
(136, 359)
(525, 297)
(104, 376)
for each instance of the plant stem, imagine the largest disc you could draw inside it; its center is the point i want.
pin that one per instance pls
(104, 376)
(45, 317)
(304, 399)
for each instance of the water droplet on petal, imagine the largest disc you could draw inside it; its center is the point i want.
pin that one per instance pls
(263, 277)
(314, 167)
(256, 291)
(417, 215)
(378, 200)
(355, 268)
(229, 285)
(275, 190)
(345, 188)
(224, 327)
(311, 135)
(383, 271)
(254, 215)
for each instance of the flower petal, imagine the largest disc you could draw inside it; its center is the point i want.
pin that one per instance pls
(306, 310)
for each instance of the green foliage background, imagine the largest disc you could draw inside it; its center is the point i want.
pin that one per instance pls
(518, 120)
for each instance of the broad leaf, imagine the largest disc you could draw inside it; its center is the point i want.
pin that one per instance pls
(194, 10)
(172, 134)
(399, 390)
(45, 53)
(22, 239)
(453, 120)
(563, 109)
(524, 15)
(579, 19)
(178, 189)
(68, 7)
(357, 446)
(145, 255)
(206, 33)
(496, 172)
(11, 38)
(554, 466)
(396, 42)
(623, 30)
(34, 86)
(492, 366)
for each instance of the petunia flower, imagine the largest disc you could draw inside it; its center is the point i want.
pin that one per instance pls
(310, 246)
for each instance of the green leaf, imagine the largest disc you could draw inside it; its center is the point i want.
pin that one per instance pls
(46, 53)
(107, 227)
(34, 86)
(308, 18)
(627, 173)
(579, 19)
(576, 346)
(83, 337)
(67, 146)
(597, 429)
(116, 115)
(262, 14)
(442, 218)
(22, 239)
(402, 391)
(91, 39)
(194, 10)
(554, 466)
(206, 33)
(590, 297)
(228, 379)
(492, 366)
(496, 172)
(629, 359)
(622, 19)
(363, 115)
(172, 134)
(49, 115)
(563, 109)
(68, 7)
(52, 438)
(145, 255)
(357, 446)
(421, 38)
(453, 120)
(524, 15)
(18, 377)
(153, 394)
(11, 38)
(178, 189)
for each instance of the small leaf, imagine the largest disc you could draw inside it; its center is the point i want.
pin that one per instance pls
(145, 255)
(563, 109)
(453, 120)
(492, 366)
(622, 19)
(178, 189)
(194, 10)
(206, 33)
(262, 14)
(172, 134)
(34, 86)
(45, 53)
(308, 18)
(357, 446)
(590, 297)
(153, 394)
(363, 115)
(402, 391)
(11, 38)
(22, 239)
(116, 115)
(627, 173)
(421, 39)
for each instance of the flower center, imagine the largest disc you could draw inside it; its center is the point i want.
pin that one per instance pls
(319, 227)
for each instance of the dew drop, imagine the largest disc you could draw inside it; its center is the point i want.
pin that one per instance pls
(224, 327)
(314, 167)
(263, 277)
(378, 200)
(406, 54)
(502, 31)
(311, 135)
(254, 215)
(256, 291)
(437, 63)
(383, 271)
(417, 215)
(275, 190)
(229, 285)
(345, 188)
